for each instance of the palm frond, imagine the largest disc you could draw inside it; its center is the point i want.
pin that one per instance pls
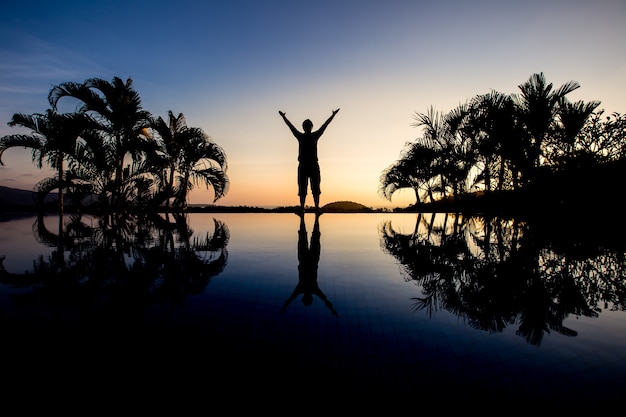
(32, 142)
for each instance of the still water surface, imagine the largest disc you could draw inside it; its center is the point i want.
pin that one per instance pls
(384, 302)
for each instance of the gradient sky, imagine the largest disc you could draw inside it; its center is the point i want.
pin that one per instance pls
(230, 66)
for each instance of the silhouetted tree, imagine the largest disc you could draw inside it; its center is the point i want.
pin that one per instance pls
(499, 145)
(537, 108)
(116, 108)
(501, 142)
(186, 156)
(414, 170)
(603, 137)
(573, 117)
(52, 138)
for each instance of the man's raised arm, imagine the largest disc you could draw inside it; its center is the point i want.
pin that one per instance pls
(291, 127)
(327, 122)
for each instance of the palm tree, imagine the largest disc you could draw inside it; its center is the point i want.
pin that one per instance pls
(462, 148)
(538, 106)
(498, 139)
(416, 169)
(441, 138)
(185, 157)
(573, 117)
(201, 161)
(440, 159)
(116, 107)
(398, 176)
(53, 138)
(171, 135)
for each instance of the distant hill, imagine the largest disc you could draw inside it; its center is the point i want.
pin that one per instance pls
(345, 207)
(12, 197)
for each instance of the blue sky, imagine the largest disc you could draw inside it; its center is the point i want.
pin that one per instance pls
(230, 66)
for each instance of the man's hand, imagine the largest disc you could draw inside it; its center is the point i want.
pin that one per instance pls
(282, 113)
(335, 112)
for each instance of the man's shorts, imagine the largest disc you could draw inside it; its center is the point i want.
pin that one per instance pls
(308, 173)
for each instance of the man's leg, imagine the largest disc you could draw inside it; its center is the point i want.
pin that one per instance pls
(302, 181)
(302, 199)
(315, 187)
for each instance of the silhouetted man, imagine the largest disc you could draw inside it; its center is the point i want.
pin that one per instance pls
(308, 166)
(308, 257)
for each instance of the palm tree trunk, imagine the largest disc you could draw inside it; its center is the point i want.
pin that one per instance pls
(442, 183)
(417, 195)
(170, 185)
(500, 176)
(487, 174)
(61, 198)
(181, 196)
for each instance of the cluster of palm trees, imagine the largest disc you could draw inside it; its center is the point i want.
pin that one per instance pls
(498, 142)
(113, 149)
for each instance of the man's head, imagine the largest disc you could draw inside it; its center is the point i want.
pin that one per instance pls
(307, 125)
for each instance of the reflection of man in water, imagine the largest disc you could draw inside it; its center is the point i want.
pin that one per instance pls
(308, 166)
(308, 258)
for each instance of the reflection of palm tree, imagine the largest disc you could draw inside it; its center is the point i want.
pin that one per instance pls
(186, 269)
(308, 257)
(514, 279)
(121, 266)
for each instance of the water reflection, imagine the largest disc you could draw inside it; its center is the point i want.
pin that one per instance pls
(118, 265)
(308, 261)
(496, 272)
(107, 293)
